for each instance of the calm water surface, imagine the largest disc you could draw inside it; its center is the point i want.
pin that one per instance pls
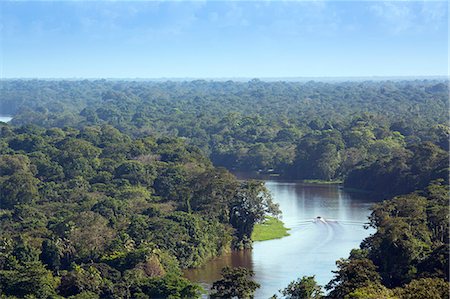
(5, 118)
(312, 247)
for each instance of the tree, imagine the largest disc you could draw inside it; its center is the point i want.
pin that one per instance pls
(90, 235)
(352, 273)
(80, 280)
(190, 238)
(430, 288)
(213, 190)
(436, 264)
(79, 157)
(372, 291)
(304, 288)
(19, 188)
(50, 255)
(250, 205)
(17, 181)
(402, 239)
(235, 283)
(169, 286)
(11, 164)
(319, 156)
(135, 172)
(31, 278)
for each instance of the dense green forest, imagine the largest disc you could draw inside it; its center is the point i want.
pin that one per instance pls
(96, 212)
(365, 133)
(110, 188)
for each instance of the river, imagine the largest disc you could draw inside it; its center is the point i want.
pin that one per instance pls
(312, 247)
(5, 118)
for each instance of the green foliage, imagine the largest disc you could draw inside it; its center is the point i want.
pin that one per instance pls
(268, 229)
(319, 156)
(29, 278)
(80, 280)
(169, 286)
(403, 171)
(250, 206)
(235, 282)
(321, 131)
(89, 234)
(372, 291)
(79, 157)
(115, 217)
(82, 181)
(408, 251)
(135, 172)
(303, 288)
(191, 239)
(85, 295)
(19, 186)
(50, 255)
(352, 274)
(407, 236)
(433, 288)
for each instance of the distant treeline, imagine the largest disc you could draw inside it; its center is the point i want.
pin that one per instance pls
(365, 133)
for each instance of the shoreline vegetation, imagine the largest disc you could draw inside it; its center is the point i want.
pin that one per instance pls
(271, 228)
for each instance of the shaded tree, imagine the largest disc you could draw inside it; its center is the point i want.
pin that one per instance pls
(303, 288)
(235, 283)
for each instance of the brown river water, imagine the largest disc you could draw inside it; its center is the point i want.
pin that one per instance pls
(312, 247)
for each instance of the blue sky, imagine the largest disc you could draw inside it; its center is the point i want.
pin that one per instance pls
(212, 39)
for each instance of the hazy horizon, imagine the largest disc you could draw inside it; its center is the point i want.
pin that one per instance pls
(217, 39)
(240, 79)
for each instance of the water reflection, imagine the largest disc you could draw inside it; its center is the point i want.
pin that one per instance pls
(312, 247)
(5, 118)
(211, 271)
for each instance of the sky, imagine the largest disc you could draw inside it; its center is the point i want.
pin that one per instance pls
(218, 39)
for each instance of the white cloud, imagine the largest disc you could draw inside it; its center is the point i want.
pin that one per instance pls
(396, 16)
(402, 16)
(435, 14)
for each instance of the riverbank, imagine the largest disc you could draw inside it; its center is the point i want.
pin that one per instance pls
(311, 248)
(271, 228)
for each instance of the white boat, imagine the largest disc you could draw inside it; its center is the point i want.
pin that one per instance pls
(319, 218)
